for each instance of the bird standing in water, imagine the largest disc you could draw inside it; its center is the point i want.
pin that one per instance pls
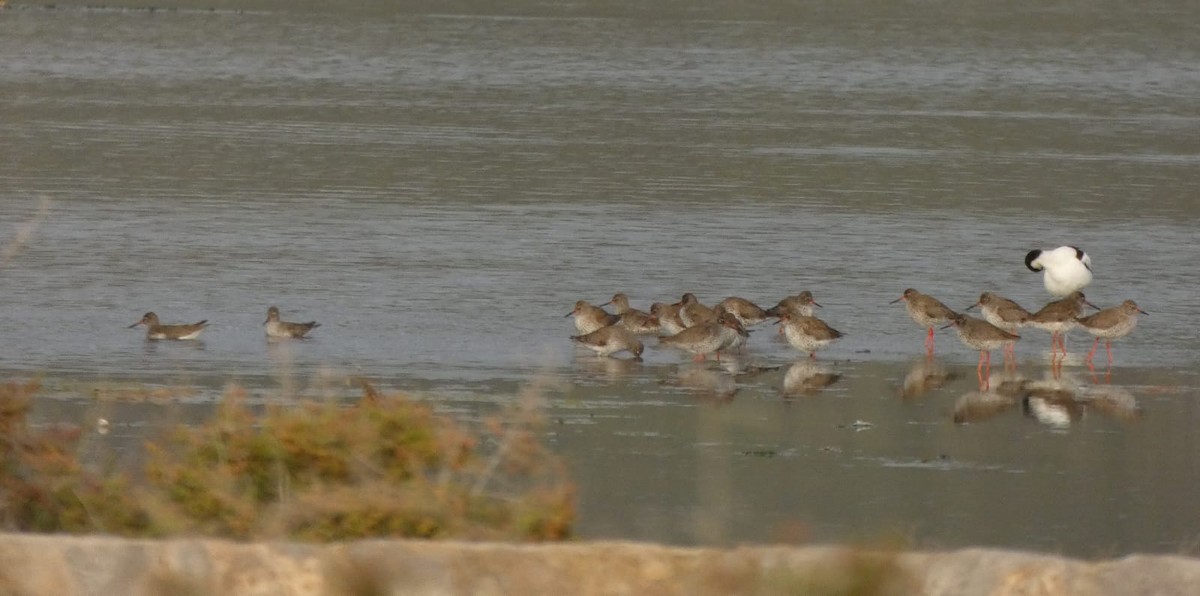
(1109, 324)
(1058, 318)
(279, 329)
(807, 334)
(927, 312)
(156, 330)
(589, 318)
(1066, 269)
(1005, 314)
(985, 337)
(609, 340)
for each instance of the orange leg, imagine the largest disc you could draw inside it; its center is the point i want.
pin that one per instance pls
(1108, 348)
(1058, 347)
(1092, 353)
(983, 370)
(929, 342)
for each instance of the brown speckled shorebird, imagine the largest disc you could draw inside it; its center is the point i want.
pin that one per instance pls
(589, 318)
(692, 312)
(284, 330)
(156, 330)
(668, 318)
(637, 321)
(1058, 318)
(1109, 324)
(705, 338)
(1005, 314)
(735, 334)
(609, 340)
(746, 312)
(807, 334)
(981, 335)
(801, 304)
(927, 312)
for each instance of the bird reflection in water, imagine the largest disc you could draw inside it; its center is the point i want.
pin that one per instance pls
(978, 406)
(808, 377)
(1052, 400)
(611, 369)
(984, 404)
(925, 375)
(713, 385)
(153, 347)
(1057, 400)
(741, 366)
(1115, 402)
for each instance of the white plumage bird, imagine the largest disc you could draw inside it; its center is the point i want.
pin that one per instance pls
(1066, 269)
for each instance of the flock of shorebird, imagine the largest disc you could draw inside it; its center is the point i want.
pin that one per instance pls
(701, 330)
(696, 328)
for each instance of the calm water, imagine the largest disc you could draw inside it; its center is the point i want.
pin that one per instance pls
(437, 186)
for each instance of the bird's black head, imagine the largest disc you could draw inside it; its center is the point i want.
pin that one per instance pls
(1031, 257)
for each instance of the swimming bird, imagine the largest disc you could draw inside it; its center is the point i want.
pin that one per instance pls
(1067, 269)
(609, 340)
(1109, 324)
(631, 318)
(926, 311)
(283, 329)
(589, 318)
(1003, 313)
(807, 334)
(692, 312)
(156, 330)
(705, 338)
(801, 304)
(981, 335)
(1058, 317)
(746, 312)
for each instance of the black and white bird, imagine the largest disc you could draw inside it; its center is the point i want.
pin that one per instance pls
(1067, 268)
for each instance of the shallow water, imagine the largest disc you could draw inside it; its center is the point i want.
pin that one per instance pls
(438, 186)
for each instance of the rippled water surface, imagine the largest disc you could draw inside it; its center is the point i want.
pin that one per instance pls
(438, 186)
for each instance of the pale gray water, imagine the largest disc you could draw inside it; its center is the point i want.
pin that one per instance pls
(438, 186)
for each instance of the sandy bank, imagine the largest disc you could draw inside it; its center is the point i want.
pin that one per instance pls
(34, 564)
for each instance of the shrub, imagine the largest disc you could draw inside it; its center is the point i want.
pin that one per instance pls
(383, 466)
(44, 488)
